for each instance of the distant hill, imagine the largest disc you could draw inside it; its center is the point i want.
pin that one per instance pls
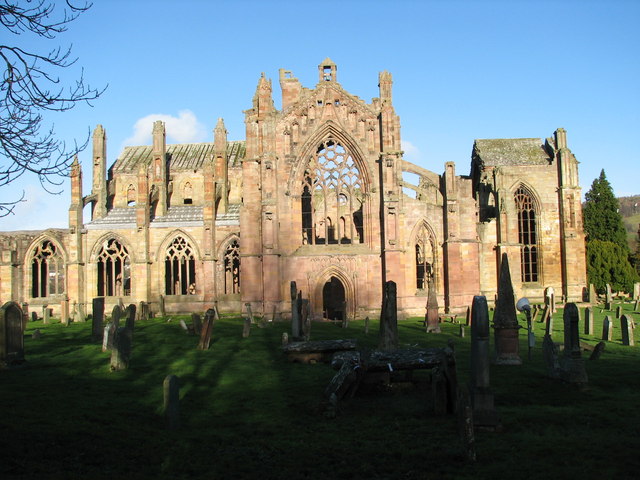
(630, 210)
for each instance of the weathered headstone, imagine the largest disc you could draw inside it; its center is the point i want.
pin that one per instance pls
(185, 327)
(505, 321)
(64, 311)
(389, 318)
(305, 318)
(550, 299)
(607, 329)
(366, 325)
(545, 315)
(431, 318)
(25, 315)
(597, 351)
(207, 328)
(608, 299)
(107, 337)
(465, 426)
(161, 310)
(11, 335)
(116, 314)
(285, 338)
(482, 400)
(46, 314)
(249, 312)
(37, 334)
(461, 331)
(295, 311)
(636, 291)
(467, 318)
(593, 296)
(626, 327)
(171, 406)
(572, 364)
(197, 323)
(246, 327)
(78, 316)
(97, 318)
(535, 310)
(618, 311)
(636, 306)
(121, 351)
(142, 313)
(34, 317)
(588, 321)
(130, 314)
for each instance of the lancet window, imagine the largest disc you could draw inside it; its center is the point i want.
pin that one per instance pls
(114, 269)
(232, 268)
(47, 271)
(527, 235)
(180, 268)
(332, 198)
(425, 258)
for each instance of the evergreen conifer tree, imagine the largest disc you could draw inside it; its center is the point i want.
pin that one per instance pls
(608, 253)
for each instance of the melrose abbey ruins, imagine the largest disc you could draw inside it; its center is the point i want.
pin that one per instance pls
(315, 194)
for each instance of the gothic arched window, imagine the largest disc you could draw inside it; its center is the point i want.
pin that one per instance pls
(187, 194)
(527, 235)
(232, 268)
(332, 197)
(180, 268)
(114, 269)
(425, 258)
(47, 271)
(131, 195)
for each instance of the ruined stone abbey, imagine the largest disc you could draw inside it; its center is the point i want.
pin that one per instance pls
(315, 194)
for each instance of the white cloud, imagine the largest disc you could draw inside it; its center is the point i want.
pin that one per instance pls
(185, 128)
(411, 152)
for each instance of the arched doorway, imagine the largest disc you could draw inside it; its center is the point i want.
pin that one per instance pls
(333, 299)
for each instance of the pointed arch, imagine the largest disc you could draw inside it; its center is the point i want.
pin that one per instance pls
(324, 277)
(180, 255)
(112, 256)
(424, 249)
(527, 214)
(46, 262)
(229, 268)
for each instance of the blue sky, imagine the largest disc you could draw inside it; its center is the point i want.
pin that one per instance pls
(462, 70)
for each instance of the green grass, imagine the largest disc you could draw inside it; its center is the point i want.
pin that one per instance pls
(248, 413)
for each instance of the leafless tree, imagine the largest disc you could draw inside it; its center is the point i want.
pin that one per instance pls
(31, 87)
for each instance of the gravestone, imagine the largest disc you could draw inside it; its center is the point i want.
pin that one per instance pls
(97, 318)
(107, 339)
(545, 315)
(130, 314)
(626, 327)
(636, 291)
(116, 314)
(305, 319)
(618, 311)
(366, 325)
(572, 364)
(25, 315)
(588, 321)
(46, 314)
(207, 328)
(550, 299)
(482, 400)
(37, 334)
(636, 306)
(431, 318)
(295, 311)
(607, 329)
(187, 328)
(143, 314)
(64, 311)
(34, 317)
(389, 318)
(197, 323)
(505, 320)
(121, 351)
(249, 312)
(11, 335)
(467, 318)
(548, 329)
(171, 404)
(161, 309)
(608, 299)
(285, 339)
(597, 351)
(78, 316)
(535, 310)
(593, 296)
(246, 327)
(461, 331)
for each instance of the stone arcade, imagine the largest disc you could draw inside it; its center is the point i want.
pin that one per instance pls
(314, 194)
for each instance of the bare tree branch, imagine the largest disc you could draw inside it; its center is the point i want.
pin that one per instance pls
(30, 87)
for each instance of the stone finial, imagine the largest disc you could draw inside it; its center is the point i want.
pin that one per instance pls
(220, 138)
(385, 82)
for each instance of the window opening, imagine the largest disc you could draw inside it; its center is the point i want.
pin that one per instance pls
(527, 235)
(47, 271)
(114, 270)
(180, 268)
(232, 268)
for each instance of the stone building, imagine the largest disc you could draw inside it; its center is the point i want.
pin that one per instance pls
(316, 193)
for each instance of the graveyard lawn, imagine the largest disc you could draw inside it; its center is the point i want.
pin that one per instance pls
(246, 412)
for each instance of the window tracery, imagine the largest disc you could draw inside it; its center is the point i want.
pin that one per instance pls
(332, 198)
(47, 271)
(425, 258)
(232, 268)
(180, 268)
(114, 269)
(527, 235)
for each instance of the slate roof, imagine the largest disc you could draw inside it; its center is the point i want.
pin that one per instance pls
(177, 215)
(183, 156)
(510, 152)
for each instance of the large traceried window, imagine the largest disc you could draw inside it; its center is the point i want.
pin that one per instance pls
(332, 198)
(114, 269)
(232, 268)
(47, 271)
(527, 235)
(425, 258)
(180, 268)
